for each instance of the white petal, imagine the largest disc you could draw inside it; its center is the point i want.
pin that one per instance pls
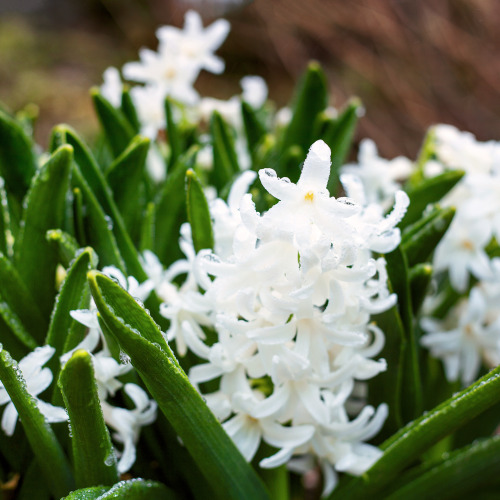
(277, 459)
(316, 170)
(52, 413)
(279, 188)
(285, 437)
(9, 419)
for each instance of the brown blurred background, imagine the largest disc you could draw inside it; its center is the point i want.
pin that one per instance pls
(412, 63)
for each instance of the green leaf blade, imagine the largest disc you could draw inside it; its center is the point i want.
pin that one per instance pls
(311, 99)
(429, 191)
(17, 161)
(35, 259)
(116, 127)
(46, 448)
(464, 472)
(211, 448)
(198, 214)
(93, 455)
(19, 299)
(171, 209)
(125, 178)
(412, 440)
(224, 155)
(74, 294)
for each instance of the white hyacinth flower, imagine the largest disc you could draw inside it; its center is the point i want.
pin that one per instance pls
(194, 43)
(289, 294)
(37, 380)
(127, 423)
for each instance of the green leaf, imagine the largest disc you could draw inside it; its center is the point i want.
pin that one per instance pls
(421, 238)
(459, 475)
(35, 259)
(125, 177)
(78, 217)
(427, 192)
(148, 228)
(420, 277)
(129, 111)
(211, 448)
(225, 158)
(94, 459)
(65, 244)
(171, 209)
(17, 161)
(43, 442)
(133, 489)
(254, 129)
(116, 127)
(16, 327)
(31, 486)
(74, 294)
(94, 177)
(19, 299)
(311, 99)
(99, 226)
(174, 136)
(339, 135)
(92, 493)
(198, 214)
(412, 440)
(387, 387)
(411, 398)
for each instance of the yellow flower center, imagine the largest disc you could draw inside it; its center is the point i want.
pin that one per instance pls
(309, 196)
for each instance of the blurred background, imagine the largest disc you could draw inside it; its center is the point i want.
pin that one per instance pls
(412, 63)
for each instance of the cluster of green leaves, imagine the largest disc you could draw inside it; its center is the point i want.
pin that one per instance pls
(75, 209)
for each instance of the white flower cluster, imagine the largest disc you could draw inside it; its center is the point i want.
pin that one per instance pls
(476, 199)
(470, 333)
(289, 294)
(172, 71)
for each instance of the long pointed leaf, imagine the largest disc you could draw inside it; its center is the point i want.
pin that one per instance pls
(116, 127)
(42, 439)
(339, 135)
(174, 137)
(171, 209)
(74, 294)
(97, 183)
(17, 161)
(412, 440)
(411, 397)
(211, 448)
(459, 475)
(100, 231)
(94, 459)
(65, 244)
(427, 192)
(225, 158)
(198, 214)
(419, 244)
(311, 99)
(133, 489)
(20, 301)
(35, 258)
(125, 177)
